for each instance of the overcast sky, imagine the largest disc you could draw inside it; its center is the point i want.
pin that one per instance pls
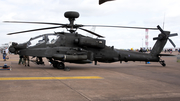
(141, 13)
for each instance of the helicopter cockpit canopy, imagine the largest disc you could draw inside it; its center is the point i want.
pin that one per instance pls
(42, 39)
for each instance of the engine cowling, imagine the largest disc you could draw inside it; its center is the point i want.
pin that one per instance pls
(89, 42)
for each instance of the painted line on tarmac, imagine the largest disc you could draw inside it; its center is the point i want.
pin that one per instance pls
(49, 78)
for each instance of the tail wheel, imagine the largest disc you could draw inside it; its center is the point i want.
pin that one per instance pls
(162, 63)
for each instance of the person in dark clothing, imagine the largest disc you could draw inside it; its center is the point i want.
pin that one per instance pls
(20, 59)
(141, 50)
(4, 55)
(26, 58)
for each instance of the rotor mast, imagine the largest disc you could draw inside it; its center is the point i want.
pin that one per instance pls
(71, 15)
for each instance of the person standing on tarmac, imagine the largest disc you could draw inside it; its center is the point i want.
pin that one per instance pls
(20, 59)
(4, 55)
(26, 58)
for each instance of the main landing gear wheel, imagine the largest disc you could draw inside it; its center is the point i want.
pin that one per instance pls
(162, 63)
(60, 65)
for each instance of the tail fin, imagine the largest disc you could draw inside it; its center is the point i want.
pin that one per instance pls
(161, 41)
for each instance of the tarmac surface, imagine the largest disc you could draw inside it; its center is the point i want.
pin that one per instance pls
(131, 81)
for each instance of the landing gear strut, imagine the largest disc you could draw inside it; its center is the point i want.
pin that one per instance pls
(38, 60)
(162, 63)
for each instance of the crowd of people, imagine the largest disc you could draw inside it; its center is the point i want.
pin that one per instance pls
(165, 50)
(171, 50)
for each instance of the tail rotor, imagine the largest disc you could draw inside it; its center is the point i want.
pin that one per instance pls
(165, 35)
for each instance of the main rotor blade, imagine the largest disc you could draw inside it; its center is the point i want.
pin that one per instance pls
(161, 30)
(34, 30)
(172, 42)
(103, 1)
(34, 22)
(155, 38)
(91, 32)
(120, 27)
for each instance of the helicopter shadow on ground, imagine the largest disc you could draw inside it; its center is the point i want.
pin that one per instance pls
(80, 67)
(71, 67)
(151, 65)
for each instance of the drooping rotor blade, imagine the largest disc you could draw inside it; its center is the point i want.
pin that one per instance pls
(34, 30)
(172, 42)
(34, 22)
(91, 32)
(155, 38)
(120, 27)
(174, 34)
(161, 30)
(103, 1)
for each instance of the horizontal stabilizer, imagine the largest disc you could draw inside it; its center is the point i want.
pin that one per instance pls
(165, 55)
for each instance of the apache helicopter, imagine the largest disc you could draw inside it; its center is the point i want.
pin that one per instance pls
(72, 47)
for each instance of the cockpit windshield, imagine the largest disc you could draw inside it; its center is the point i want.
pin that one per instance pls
(43, 39)
(52, 39)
